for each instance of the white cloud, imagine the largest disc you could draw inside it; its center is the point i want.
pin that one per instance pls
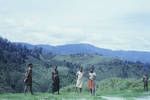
(112, 24)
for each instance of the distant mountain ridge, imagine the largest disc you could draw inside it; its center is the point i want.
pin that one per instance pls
(90, 49)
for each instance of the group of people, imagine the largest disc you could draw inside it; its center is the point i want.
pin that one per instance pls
(28, 80)
(91, 80)
(79, 81)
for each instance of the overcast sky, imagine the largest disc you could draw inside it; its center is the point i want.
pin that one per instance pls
(112, 24)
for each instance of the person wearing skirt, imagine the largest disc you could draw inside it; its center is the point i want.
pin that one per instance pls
(91, 81)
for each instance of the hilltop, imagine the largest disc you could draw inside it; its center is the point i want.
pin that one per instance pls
(67, 49)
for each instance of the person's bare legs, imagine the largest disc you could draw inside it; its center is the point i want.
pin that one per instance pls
(76, 89)
(31, 89)
(94, 92)
(146, 87)
(91, 91)
(58, 90)
(25, 89)
(80, 90)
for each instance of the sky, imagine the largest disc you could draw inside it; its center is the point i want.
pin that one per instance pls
(111, 24)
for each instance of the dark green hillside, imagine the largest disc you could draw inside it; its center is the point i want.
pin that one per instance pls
(15, 57)
(106, 66)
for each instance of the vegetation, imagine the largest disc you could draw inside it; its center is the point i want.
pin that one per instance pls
(114, 76)
(114, 87)
(47, 96)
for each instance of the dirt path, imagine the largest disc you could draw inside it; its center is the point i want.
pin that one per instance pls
(112, 98)
(120, 98)
(143, 98)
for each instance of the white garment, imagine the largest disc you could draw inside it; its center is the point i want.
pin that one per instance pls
(79, 79)
(92, 76)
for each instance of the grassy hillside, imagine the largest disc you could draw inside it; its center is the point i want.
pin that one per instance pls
(106, 66)
(115, 87)
(14, 59)
(67, 66)
(129, 89)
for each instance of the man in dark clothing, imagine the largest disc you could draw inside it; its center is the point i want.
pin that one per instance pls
(55, 80)
(28, 79)
(145, 81)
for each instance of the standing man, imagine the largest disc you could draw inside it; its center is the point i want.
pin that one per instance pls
(145, 81)
(91, 82)
(55, 80)
(28, 79)
(79, 82)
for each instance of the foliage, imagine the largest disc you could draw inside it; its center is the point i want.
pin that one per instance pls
(15, 57)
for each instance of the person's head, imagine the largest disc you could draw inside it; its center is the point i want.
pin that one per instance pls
(81, 69)
(92, 69)
(145, 75)
(55, 67)
(52, 73)
(30, 65)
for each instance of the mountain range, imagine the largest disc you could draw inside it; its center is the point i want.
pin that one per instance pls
(140, 56)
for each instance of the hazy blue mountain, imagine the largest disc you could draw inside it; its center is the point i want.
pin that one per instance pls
(86, 48)
(46, 48)
(90, 49)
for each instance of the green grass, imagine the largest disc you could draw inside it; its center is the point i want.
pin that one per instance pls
(48, 96)
(68, 96)
(128, 95)
(114, 87)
